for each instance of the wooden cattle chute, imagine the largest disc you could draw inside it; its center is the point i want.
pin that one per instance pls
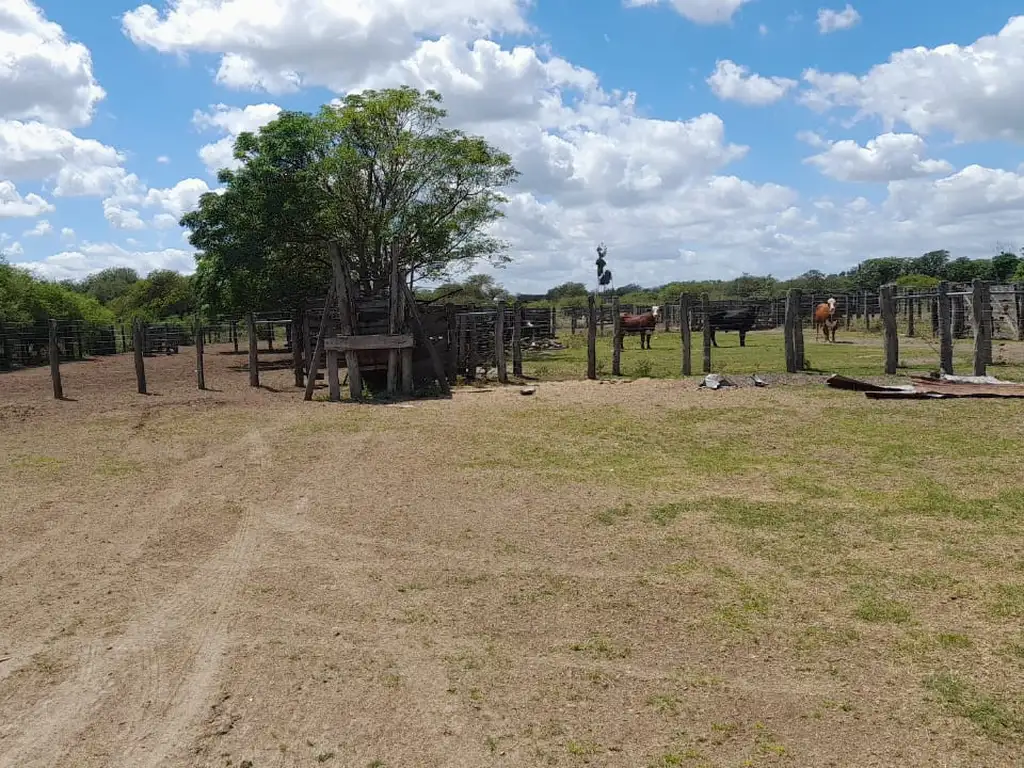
(388, 339)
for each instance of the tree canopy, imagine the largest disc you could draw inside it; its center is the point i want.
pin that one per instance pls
(379, 174)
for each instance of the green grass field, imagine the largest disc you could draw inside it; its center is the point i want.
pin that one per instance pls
(855, 354)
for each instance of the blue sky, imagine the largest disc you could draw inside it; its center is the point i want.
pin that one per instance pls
(685, 179)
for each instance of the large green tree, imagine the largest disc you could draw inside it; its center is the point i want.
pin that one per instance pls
(379, 174)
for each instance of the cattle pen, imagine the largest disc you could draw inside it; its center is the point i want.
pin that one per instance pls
(973, 328)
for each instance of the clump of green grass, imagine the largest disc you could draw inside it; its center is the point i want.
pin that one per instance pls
(582, 748)
(882, 610)
(1009, 601)
(995, 719)
(953, 640)
(666, 513)
(665, 704)
(614, 514)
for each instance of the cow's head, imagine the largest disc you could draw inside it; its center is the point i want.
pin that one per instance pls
(831, 306)
(656, 311)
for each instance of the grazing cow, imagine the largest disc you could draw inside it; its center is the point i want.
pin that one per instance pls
(643, 324)
(740, 319)
(825, 318)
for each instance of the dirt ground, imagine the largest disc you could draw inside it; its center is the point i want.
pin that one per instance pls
(239, 578)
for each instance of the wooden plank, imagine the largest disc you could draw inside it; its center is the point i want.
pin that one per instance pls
(981, 299)
(200, 366)
(684, 333)
(499, 343)
(333, 381)
(945, 329)
(368, 342)
(54, 354)
(254, 357)
(616, 338)
(314, 358)
(139, 343)
(591, 338)
(341, 290)
(407, 371)
(417, 323)
(517, 339)
(705, 313)
(890, 339)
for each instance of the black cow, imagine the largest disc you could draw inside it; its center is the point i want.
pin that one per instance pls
(733, 319)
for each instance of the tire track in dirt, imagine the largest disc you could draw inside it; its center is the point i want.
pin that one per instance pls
(195, 608)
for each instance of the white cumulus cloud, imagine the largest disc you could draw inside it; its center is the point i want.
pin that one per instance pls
(973, 92)
(15, 206)
(889, 157)
(231, 121)
(43, 75)
(834, 21)
(288, 44)
(733, 82)
(697, 11)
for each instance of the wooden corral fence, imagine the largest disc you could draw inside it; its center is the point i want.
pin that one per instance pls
(477, 333)
(981, 310)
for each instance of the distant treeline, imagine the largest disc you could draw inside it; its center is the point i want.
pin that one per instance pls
(119, 294)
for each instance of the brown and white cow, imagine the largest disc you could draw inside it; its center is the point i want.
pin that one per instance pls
(643, 324)
(825, 318)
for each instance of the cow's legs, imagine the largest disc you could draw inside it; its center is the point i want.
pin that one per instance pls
(713, 342)
(743, 338)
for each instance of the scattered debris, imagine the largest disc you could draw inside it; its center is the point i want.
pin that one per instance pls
(758, 381)
(543, 344)
(715, 381)
(927, 388)
(528, 391)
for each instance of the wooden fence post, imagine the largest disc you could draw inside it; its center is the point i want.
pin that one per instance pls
(333, 378)
(139, 345)
(313, 362)
(890, 340)
(846, 310)
(7, 361)
(517, 339)
(1018, 295)
(298, 356)
(499, 342)
(54, 354)
(910, 317)
(684, 332)
(867, 314)
(394, 304)
(341, 290)
(798, 336)
(705, 313)
(200, 348)
(254, 357)
(591, 338)
(945, 313)
(572, 322)
(616, 338)
(234, 334)
(791, 328)
(981, 299)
